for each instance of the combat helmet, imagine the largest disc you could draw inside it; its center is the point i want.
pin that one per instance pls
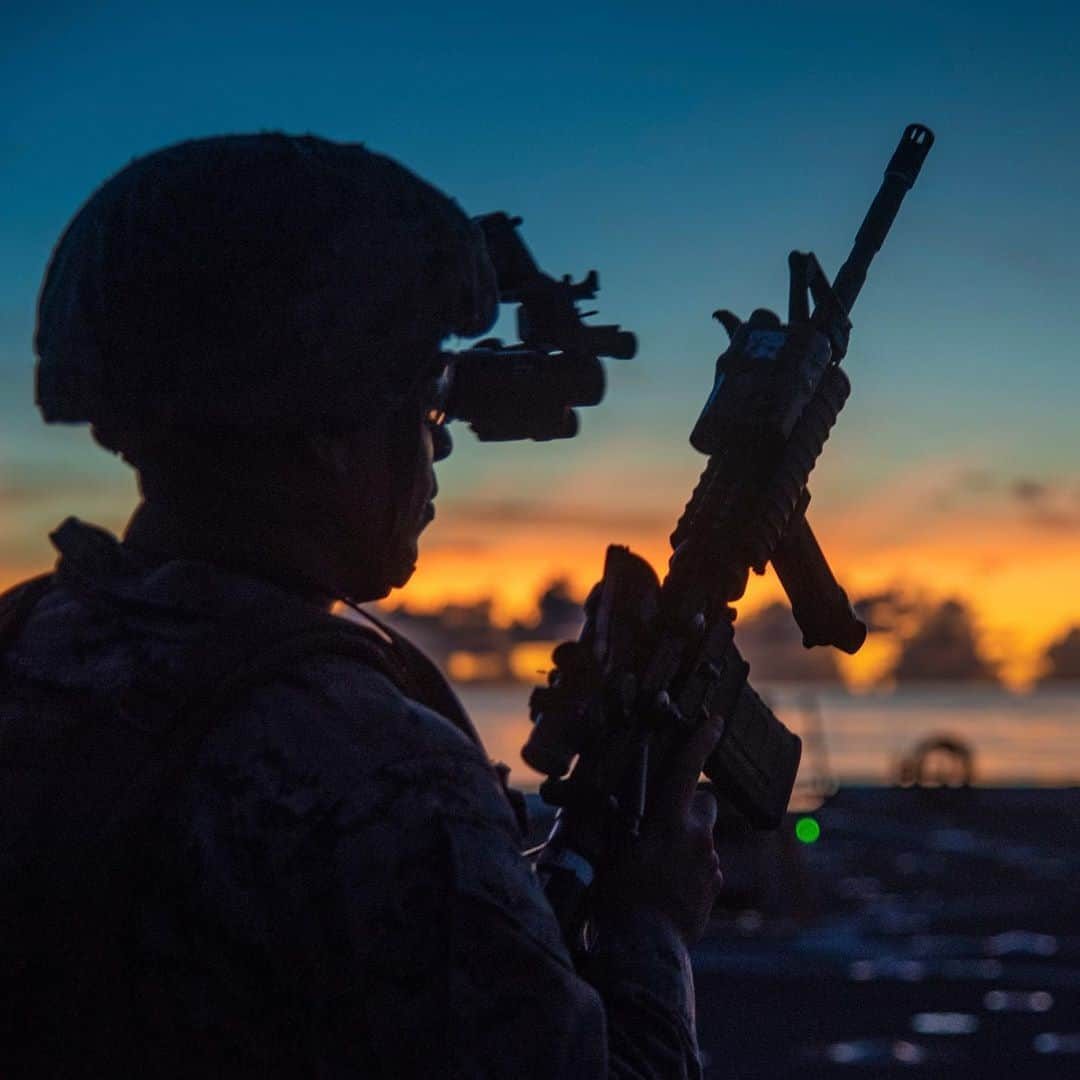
(255, 281)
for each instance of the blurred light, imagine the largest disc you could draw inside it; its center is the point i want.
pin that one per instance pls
(944, 1023)
(908, 1053)
(466, 666)
(911, 970)
(1021, 942)
(530, 661)
(1038, 1001)
(1052, 1043)
(749, 922)
(843, 1053)
(807, 830)
(887, 967)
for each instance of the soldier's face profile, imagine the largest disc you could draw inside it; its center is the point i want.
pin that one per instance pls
(385, 487)
(416, 510)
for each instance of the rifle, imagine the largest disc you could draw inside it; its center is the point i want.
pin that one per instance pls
(654, 659)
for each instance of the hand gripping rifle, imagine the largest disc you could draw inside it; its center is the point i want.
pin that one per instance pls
(653, 659)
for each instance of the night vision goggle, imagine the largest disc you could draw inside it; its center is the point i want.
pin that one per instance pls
(530, 390)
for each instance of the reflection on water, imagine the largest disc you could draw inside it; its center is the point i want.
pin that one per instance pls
(1017, 739)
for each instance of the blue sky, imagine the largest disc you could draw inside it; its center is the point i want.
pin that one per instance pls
(680, 149)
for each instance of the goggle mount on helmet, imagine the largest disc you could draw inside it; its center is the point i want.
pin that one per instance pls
(529, 390)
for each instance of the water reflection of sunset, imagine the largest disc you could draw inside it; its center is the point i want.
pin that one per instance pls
(1033, 739)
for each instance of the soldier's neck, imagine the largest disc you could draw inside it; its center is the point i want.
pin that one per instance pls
(283, 552)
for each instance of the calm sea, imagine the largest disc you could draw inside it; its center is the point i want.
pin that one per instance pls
(861, 738)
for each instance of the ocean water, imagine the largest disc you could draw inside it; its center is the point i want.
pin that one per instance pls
(1015, 739)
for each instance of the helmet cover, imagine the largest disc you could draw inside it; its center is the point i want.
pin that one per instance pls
(255, 281)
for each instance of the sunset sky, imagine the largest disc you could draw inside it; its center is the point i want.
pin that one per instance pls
(681, 150)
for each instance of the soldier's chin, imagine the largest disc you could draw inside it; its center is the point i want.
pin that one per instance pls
(403, 568)
(402, 579)
(376, 582)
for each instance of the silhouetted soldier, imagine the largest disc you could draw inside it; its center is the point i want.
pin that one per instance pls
(240, 835)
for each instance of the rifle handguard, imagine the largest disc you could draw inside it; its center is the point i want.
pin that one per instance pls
(781, 499)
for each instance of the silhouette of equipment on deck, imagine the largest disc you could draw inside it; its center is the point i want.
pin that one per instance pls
(938, 760)
(654, 659)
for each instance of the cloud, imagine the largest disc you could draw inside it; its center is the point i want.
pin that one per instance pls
(1062, 658)
(571, 515)
(37, 496)
(37, 484)
(896, 548)
(959, 486)
(462, 545)
(1046, 506)
(978, 480)
(467, 640)
(883, 611)
(560, 615)
(769, 639)
(946, 498)
(455, 629)
(771, 642)
(944, 648)
(1027, 491)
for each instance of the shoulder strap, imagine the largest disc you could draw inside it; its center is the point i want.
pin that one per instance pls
(429, 685)
(439, 695)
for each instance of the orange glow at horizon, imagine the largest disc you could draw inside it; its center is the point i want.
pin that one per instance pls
(1020, 580)
(1015, 564)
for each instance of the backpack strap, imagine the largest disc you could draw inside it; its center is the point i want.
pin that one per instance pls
(426, 682)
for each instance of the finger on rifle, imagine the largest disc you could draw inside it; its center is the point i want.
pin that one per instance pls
(705, 808)
(684, 765)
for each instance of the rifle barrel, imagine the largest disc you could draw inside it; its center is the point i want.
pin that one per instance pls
(900, 175)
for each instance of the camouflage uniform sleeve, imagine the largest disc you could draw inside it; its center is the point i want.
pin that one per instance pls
(395, 906)
(517, 998)
(642, 970)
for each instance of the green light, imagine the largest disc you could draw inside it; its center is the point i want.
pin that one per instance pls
(807, 830)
